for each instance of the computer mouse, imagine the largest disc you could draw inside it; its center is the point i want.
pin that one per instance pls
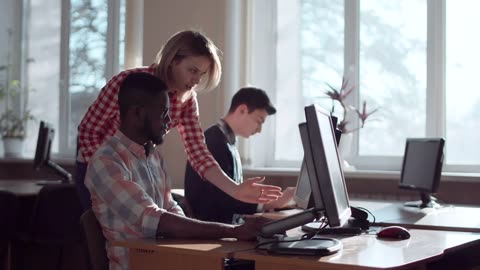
(394, 232)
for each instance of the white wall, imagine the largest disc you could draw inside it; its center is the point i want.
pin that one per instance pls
(163, 18)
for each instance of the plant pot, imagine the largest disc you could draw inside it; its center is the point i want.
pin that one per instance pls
(345, 145)
(345, 149)
(13, 147)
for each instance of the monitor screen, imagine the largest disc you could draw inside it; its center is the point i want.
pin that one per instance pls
(422, 166)
(324, 173)
(324, 166)
(303, 192)
(46, 134)
(44, 143)
(303, 197)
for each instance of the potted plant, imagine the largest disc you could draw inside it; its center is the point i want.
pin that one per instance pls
(13, 119)
(339, 95)
(13, 123)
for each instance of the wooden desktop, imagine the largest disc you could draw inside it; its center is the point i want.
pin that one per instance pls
(181, 254)
(448, 217)
(435, 233)
(387, 213)
(368, 252)
(359, 252)
(21, 188)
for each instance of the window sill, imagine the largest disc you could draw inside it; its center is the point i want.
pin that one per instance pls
(360, 174)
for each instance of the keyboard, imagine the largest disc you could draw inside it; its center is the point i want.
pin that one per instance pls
(347, 229)
(341, 230)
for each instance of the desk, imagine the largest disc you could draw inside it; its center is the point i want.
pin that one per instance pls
(25, 188)
(447, 218)
(451, 218)
(364, 252)
(27, 191)
(21, 187)
(180, 254)
(367, 252)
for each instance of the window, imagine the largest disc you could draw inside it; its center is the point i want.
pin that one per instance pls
(414, 59)
(392, 61)
(463, 97)
(74, 46)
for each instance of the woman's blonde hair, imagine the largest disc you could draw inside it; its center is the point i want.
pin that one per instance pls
(190, 43)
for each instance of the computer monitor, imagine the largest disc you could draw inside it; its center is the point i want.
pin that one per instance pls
(324, 166)
(422, 169)
(303, 192)
(338, 132)
(327, 184)
(46, 134)
(302, 196)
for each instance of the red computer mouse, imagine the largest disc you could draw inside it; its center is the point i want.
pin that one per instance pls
(393, 232)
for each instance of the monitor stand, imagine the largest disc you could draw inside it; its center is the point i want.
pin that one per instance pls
(356, 224)
(427, 201)
(317, 246)
(66, 176)
(349, 228)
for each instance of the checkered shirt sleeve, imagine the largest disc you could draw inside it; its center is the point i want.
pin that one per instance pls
(102, 118)
(193, 139)
(129, 193)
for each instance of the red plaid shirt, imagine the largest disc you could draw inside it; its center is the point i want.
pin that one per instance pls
(102, 120)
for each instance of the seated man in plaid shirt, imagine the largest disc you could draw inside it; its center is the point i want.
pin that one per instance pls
(129, 186)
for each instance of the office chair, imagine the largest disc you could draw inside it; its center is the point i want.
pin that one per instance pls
(95, 241)
(183, 203)
(56, 220)
(8, 223)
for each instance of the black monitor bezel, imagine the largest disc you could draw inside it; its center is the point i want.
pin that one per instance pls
(44, 144)
(302, 197)
(433, 187)
(323, 191)
(306, 216)
(46, 134)
(303, 192)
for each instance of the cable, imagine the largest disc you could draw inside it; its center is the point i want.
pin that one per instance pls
(368, 211)
(282, 241)
(304, 237)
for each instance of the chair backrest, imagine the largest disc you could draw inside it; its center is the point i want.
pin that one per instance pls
(95, 241)
(8, 214)
(184, 204)
(8, 225)
(56, 216)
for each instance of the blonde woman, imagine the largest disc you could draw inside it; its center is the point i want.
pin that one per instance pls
(188, 63)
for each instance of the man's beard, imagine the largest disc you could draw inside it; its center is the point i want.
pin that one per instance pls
(148, 131)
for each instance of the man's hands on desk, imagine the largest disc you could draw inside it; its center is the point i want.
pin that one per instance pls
(173, 225)
(251, 228)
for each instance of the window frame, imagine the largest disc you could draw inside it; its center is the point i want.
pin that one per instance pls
(260, 20)
(257, 41)
(111, 68)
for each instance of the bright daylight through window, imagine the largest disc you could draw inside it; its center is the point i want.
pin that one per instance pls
(415, 60)
(397, 55)
(77, 47)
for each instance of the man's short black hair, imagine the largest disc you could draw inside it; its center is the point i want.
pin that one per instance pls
(254, 98)
(139, 89)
